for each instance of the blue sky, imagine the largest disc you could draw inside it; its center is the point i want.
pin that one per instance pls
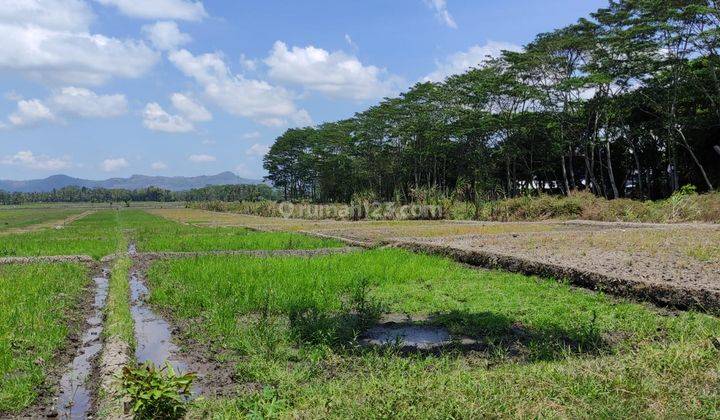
(105, 88)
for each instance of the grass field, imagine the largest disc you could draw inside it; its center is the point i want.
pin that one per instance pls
(37, 303)
(101, 233)
(152, 233)
(289, 330)
(96, 235)
(290, 326)
(15, 219)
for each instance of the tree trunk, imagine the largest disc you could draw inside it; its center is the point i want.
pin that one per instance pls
(611, 175)
(565, 177)
(638, 168)
(695, 159)
(571, 156)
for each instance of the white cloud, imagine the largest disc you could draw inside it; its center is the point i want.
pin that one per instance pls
(237, 95)
(85, 103)
(335, 74)
(114, 164)
(475, 56)
(252, 135)
(248, 63)
(159, 9)
(201, 158)
(157, 119)
(189, 108)
(257, 150)
(69, 101)
(442, 13)
(243, 171)
(28, 159)
(51, 41)
(60, 15)
(350, 42)
(165, 35)
(30, 112)
(158, 166)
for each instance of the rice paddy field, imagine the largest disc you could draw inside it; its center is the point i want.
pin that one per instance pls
(309, 328)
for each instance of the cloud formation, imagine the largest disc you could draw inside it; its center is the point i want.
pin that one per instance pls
(85, 103)
(114, 164)
(441, 12)
(159, 9)
(201, 158)
(237, 95)
(165, 35)
(68, 101)
(157, 119)
(335, 74)
(189, 108)
(30, 112)
(463, 61)
(28, 159)
(51, 42)
(257, 150)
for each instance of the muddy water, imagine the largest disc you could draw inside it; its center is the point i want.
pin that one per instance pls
(75, 400)
(414, 336)
(152, 332)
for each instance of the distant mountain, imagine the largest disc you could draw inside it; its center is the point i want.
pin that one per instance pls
(173, 183)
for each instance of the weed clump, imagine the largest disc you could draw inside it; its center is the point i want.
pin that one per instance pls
(156, 393)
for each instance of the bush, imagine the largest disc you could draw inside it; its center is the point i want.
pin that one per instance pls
(155, 393)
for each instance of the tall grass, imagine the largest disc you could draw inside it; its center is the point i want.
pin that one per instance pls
(37, 303)
(681, 207)
(290, 325)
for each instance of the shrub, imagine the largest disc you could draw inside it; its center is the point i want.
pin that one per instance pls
(156, 393)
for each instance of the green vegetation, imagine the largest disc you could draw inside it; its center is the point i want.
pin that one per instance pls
(290, 325)
(623, 103)
(118, 319)
(13, 219)
(157, 393)
(153, 233)
(38, 303)
(152, 194)
(95, 235)
(680, 207)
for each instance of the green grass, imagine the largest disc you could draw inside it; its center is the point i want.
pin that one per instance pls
(96, 235)
(118, 319)
(153, 233)
(13, 219)
(289, 324)
(36, 305)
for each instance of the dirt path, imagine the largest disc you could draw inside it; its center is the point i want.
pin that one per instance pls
(57, 224)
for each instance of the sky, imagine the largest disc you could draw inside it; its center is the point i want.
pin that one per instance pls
(110, 88)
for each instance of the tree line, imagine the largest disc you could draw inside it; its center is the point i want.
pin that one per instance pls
(624, 103)
(104, 195)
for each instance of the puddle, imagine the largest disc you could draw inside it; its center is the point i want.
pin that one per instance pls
(74, 400)
(152, 332)
(419, 337)
(132, 250)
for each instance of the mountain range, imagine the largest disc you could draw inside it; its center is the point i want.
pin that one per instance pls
(172, 183)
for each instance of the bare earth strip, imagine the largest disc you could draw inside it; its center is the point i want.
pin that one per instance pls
(48, 259)
(669, 264)
(48, 224)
